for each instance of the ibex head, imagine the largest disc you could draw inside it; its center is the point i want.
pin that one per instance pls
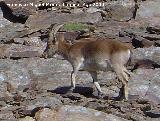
(52, 44)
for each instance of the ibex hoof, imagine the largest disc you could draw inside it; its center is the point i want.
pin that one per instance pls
(71, 90)
(124, 99)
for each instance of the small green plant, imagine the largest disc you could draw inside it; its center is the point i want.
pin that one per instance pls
(75, 26)
(134, 71)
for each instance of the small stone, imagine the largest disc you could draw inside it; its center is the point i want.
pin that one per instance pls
(7, 115)
(33, 41)
(27, 118)
(19, 40)
(46, 115)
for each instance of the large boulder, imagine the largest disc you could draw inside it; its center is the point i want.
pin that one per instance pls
(12, 31)
(149, 11)
(151, 53)
(121, 10)
(146, 85)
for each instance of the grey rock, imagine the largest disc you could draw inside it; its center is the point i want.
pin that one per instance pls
(45, 114)
(114, 28)
(151, 36)
(27, 118)
(12, 31)
(42, 21)
(18, 40)
(18, 50)
(153, 29)
(77, 10)
(6, 115)
(158, 42)
(149, 12)
(75, 113)
(153, 113)
(29, 41)
(142, 38)
(51, 102)
(21, 13)
(34, 41)
(3, 21)
(13, 75)
(137, 117)
(145, 83)
(40, 102)
(3, 50)
(56, 74)
(151, 53)
(93, 10)
(140, 32)
(120, 10)
(17, 72)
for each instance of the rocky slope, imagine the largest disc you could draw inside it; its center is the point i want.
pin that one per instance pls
(32, 88)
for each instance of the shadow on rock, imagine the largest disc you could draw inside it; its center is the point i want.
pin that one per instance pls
(85, 91)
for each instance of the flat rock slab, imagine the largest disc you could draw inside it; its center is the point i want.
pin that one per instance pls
(151, 53)
(44, 20)
(20, 51)
(75, 113)
(56, 73)
(14, 30)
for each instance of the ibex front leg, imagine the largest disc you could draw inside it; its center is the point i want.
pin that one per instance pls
(76, 67)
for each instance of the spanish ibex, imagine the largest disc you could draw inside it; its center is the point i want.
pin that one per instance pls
(96, 54)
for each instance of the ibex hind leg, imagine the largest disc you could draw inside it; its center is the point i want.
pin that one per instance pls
(120, 74)
(96, 84)
(126, 73)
